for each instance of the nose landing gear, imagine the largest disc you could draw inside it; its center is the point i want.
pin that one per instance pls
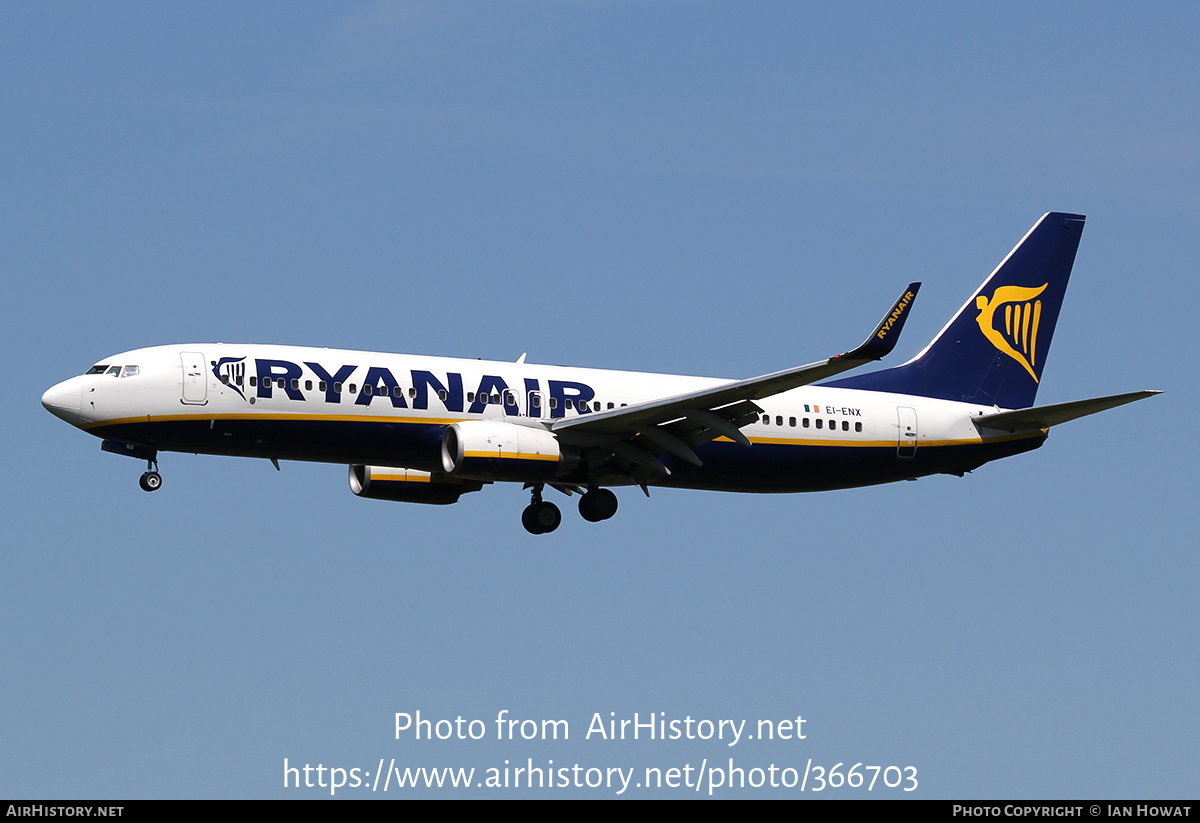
(151, 481)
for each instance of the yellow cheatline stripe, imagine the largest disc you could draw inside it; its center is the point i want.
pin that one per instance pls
(447, 421)
(400, 478)
(337, 418)
(499, 453)
(783, 441)
(786, 441)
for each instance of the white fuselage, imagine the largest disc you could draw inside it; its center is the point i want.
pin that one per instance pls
(352, 407)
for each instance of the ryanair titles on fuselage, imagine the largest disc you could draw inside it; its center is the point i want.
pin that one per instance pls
(379, 384)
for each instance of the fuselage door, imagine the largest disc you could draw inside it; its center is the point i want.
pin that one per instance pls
(195, 381)
(906, 445)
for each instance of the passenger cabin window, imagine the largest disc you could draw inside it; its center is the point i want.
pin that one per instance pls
(766, 419)
(322, 386)
(441, 394)
(845, 425)
(818, 422)
(253, 381)
(308, 385)
(858, 427)
(804, 422)
(792, 422)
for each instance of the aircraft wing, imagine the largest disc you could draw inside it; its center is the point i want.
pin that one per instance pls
(675, 424)
(1043, 417)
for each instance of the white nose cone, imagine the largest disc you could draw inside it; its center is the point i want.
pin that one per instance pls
(63, 400)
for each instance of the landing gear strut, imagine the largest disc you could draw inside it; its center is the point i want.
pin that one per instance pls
(151, 481)
(540, 517)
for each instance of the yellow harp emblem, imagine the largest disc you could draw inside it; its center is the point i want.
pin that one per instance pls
(1022, 312)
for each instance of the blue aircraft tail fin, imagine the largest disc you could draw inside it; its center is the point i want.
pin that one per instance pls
(992, 352)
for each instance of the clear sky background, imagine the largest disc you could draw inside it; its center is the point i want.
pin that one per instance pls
(691, 187)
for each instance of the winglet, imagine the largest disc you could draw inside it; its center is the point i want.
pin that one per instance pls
(883, 339)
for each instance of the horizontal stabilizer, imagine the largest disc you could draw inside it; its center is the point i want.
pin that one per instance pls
(1043, 417)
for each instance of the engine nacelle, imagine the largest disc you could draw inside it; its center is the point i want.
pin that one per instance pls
(494, 450)
(408, 485)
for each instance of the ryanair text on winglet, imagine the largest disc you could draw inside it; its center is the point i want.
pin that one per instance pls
(896, 314)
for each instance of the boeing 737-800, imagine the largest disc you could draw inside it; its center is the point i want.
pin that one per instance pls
(429, 429)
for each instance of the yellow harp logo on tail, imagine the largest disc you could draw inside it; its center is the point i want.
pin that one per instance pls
(1022, 312)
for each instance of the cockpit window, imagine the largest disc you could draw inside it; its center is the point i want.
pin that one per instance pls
(115, 371)
(129, 371)
(100, 369)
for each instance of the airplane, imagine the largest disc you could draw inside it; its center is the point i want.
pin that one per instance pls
(429, 429)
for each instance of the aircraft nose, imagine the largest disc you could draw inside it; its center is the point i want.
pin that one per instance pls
(63, 401)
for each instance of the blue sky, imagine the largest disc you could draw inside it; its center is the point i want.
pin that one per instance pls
(702, 188)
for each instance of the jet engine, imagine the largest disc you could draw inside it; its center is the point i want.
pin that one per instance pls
(494, 450)
(408, 485)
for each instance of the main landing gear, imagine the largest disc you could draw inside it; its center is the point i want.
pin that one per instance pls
(597, 505)
(542, 517)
